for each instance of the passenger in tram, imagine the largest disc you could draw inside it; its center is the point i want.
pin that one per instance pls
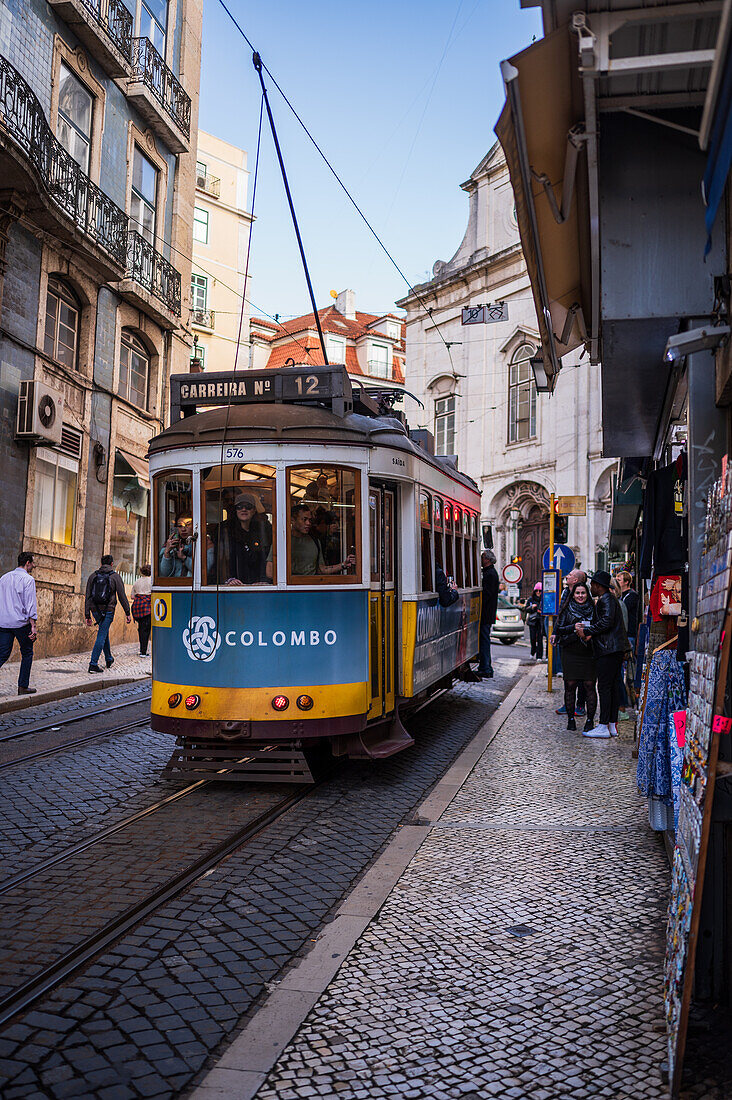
(176, 554)
(245, 542)
(306, 558)
(318, 490)
(327, 531)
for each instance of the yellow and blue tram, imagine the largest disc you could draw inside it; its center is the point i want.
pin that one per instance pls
(298, 541)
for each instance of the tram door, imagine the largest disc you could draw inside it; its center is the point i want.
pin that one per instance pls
(382, 605)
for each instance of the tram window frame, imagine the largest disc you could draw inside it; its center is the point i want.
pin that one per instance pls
(375, 535)
(438, 508)
(166, 519)
(449, 566)
(457, 516)
(389, 536)
(468, 548)
(266, 472)
(320, 579)
(425, 522)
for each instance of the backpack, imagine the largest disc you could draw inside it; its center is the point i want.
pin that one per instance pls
(102, 589)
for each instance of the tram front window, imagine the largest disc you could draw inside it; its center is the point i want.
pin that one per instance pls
(174, 512)
(324, 511)
(238, 502)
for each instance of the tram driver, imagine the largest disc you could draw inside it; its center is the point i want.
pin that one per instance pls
(306, 556)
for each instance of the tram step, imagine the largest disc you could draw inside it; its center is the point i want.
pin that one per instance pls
(228, 764)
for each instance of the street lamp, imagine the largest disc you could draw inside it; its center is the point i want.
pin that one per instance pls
(542, 379)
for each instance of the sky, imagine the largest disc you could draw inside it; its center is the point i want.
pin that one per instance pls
(402, 98)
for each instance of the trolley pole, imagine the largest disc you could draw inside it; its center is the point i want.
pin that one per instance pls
(550, 618)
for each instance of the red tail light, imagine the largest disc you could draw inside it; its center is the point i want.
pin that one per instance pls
(280, 702)
(193, 701)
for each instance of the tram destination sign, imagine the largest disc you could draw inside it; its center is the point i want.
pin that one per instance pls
(329, 386)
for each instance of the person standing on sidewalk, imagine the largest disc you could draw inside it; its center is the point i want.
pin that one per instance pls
(577, 657)
(19, 618)
(536, 625)
(488, 611)
(575, 576)
(610, 643)
(141, 607)
(103, 589)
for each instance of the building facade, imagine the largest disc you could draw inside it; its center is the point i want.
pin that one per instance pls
(97, 175)
(477, 387)
(221, 230)
(370, 345)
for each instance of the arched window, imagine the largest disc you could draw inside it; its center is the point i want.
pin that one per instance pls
(63, 310)
(521, 396)
(134, 369)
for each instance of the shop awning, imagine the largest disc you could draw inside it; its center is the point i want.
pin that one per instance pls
(131, 485)
(139, 467)
(716, 130)
(542, 138)
(627, 503)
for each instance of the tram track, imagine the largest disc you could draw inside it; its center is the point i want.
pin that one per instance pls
(58, 722)
(68, 962)
(53, 749)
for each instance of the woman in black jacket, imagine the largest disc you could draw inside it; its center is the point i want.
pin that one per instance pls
(578, 662)
(610, 644)
(536, 626)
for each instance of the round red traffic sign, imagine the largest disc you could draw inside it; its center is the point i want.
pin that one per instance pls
(512, 573)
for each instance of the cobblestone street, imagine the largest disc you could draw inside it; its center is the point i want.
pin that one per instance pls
(519, 955)
(57, 677)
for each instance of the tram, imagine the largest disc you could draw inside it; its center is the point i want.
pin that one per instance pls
(299, 540)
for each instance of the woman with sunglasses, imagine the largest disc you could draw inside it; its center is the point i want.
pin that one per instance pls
(244, 543)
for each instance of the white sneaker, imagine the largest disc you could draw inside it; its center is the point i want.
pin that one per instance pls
(613, 729)
(598, 731)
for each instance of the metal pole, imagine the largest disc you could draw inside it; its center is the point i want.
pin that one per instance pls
(550, 618)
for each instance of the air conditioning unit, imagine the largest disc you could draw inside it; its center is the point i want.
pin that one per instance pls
(40, 412)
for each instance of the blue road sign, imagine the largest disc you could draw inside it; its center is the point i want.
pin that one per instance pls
(564, 559)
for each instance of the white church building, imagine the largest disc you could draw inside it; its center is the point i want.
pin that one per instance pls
(479, 394)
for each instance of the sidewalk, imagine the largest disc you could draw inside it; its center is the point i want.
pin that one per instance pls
(509, 942)
(59, 677)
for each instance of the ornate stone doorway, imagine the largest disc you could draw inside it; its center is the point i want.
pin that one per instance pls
(533, 539)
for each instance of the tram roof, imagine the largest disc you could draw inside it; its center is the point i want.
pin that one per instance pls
(264, 423)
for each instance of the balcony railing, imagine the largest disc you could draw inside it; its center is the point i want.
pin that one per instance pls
(204, 318)
(115, 20)
(69, 189)
(149, 67)
(153, 272)
(210, 184)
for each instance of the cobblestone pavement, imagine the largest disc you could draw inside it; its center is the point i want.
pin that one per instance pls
(521, 953)
(146, 1016)
(52, 674)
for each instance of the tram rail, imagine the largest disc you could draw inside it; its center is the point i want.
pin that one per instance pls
(59, 721)
(67, 963)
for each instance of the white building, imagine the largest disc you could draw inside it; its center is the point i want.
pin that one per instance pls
(479, 394)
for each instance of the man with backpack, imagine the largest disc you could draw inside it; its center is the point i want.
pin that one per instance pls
(103, 589)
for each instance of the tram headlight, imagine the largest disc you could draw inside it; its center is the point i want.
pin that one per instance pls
(193, 701)
(304, 702)
(280, 702)
(174, 700)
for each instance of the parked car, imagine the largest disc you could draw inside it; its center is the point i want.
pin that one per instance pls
(508, 627)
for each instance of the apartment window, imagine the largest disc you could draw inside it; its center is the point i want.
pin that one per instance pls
(445, 425)
(393, 330)
(201, 173)
(199, 293)
(336, 348)
(75, 106)
(198, 356)
(144, 194)
(134, 369)
(61, 334)
(200, 225)
(151, 20)
(379, 360)
(521, 396)
(54, 496)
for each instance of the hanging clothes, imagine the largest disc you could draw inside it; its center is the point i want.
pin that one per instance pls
(663, 548)
(659, 756)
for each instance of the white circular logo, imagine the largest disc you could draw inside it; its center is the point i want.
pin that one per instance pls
(161, 611)
(201, 638)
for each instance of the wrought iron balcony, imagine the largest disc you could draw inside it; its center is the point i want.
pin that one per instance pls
(152, 272)
(159, 96)
(210, 184)
(204, 318)
(105, 27)
(69, 190)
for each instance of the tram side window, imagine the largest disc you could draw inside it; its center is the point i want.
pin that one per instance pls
(459, 571)
(449, 553)
(437, 512)
(468, 547)
(238, 505)
(174, 526)
(324, 525)
(425, 536)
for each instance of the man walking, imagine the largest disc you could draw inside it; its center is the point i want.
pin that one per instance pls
(488, 611)
(103, 589)
(610, 643)
(19, 617)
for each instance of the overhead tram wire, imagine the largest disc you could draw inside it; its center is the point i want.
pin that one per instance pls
(427, 309)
